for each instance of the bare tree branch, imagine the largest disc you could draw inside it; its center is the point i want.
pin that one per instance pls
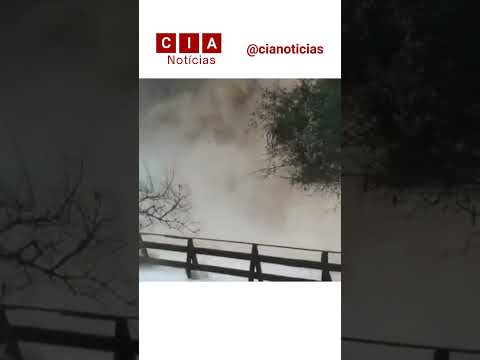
(61, 241)
(167, 205)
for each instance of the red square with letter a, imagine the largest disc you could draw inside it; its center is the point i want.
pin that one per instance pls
(212, 43)
(166, 43)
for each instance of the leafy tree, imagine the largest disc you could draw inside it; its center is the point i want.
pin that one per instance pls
(410, 122)
(303, 131)
(410, 117)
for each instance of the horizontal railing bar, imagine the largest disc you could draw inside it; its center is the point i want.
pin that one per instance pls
(163, 246)
(244, 273)
(237, 242)
(222, 270)
(223, 253)
(274, 277)
(164, 262)
(410, 346)
(246, 256)
(70, 313)
(309, 264)
(72, 339)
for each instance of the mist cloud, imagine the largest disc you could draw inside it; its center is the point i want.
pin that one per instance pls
(201, 129)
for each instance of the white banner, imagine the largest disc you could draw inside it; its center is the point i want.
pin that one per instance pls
(247, 39)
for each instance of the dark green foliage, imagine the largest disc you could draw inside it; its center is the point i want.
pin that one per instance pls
(411, 108)
(413, 105)
(303, 131)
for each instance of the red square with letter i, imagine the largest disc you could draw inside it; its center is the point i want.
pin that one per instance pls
(212, 43)
(189, 42)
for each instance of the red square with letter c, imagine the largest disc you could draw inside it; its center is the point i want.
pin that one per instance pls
(212, 42)
(166, 43)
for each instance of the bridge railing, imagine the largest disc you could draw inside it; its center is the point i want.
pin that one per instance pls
(438, 352)
(254, 257)
(120, 344)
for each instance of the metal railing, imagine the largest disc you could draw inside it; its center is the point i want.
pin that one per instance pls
(121, 344)
(254, 257)
(438, 352)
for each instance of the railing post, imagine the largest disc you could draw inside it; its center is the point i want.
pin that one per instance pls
(191, 258)
(122, 336)
(255, 265)
(142, 247)
(325, 272)
(7, 338)
(441, 354)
